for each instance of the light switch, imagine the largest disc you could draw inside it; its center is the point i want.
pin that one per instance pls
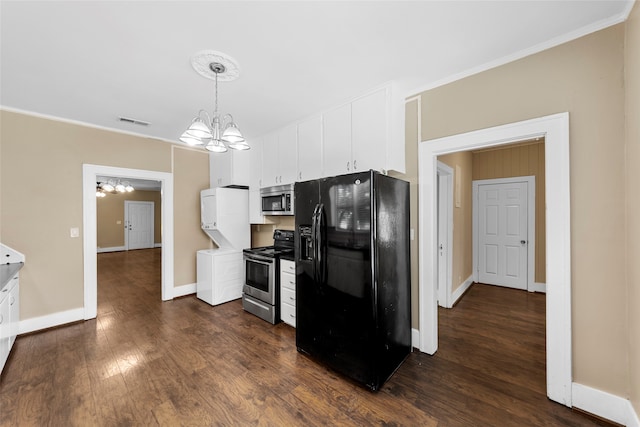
(412, 234)
(74, 232)
(118, 222)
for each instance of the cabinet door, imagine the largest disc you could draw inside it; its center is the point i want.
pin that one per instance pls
(288, 154)
(4, 326)
(270, 171)
(240, 166)
(369, 131)
(14, 311)
(255, 165)
(220, 169)
(336, 149)
(310, 149)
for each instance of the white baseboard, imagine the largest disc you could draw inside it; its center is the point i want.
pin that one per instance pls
(455, 295)
(180, 291)
(415, 338)
(605, 405)
(111, 249)
(539, 287)
(50, 320)
(157, 245)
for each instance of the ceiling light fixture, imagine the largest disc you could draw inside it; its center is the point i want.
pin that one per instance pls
(113, 186)
(213, 132)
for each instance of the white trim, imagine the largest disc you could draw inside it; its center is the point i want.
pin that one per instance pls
(539, 287)
(555, 129)
(606, 405)
(89, 222)
(415, 338)
(111, 249)
(50, 320)
(455, 296)
(531, 223)
(188, 289)
(557, 41)
(444, 292)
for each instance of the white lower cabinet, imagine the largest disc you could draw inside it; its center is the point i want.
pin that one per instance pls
(9, 317)
(288, 292)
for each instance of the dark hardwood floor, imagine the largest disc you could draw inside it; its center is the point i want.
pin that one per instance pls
(183, 362)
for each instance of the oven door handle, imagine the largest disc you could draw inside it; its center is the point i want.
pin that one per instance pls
(263, 261)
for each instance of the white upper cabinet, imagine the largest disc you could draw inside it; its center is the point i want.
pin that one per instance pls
(365, 133)
(337, 141)
(255, 164)
(369, 132)
(280, 157)
(230, 168)
(288, 155)
(310, 149)
(270, 169)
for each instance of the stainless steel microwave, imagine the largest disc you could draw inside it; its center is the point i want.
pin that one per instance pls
(277, 200)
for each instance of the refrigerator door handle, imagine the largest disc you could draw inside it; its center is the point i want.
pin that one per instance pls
(314, 243)
(322, 275)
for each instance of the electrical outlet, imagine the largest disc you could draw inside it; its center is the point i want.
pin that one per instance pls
(74, 232)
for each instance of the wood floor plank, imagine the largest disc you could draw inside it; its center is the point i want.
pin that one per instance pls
(184, 362)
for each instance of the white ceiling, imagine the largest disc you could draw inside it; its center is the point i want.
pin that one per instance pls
(96, 60)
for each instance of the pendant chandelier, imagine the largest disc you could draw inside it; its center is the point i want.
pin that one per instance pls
(113, 186)
(215, 132)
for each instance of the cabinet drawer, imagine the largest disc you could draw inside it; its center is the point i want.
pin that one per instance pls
(288, 281)
(288, 314)
(288, 296)
(287, 266)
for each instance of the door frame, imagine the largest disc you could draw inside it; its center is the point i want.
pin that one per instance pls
(127, 204)
(555, 130)
(531, 224)
(89, 222)
(445, 172)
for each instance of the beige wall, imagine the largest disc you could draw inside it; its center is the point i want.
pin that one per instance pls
(632, 85)
(462, 263)
(191, 175)
(585, 78)
(110, 210)
(262, 235)
(525, 159)
(41, 199)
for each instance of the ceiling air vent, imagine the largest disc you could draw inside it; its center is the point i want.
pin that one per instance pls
(133, 121)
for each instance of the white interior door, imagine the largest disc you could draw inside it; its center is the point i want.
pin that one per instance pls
(139, 225)
(502, 233)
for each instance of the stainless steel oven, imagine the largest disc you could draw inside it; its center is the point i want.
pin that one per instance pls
(260, 277)
(277, 200)
(261, 290)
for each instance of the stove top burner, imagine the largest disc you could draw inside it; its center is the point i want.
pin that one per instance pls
(283, 245)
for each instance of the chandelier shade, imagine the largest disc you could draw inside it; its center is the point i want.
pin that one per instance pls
(217, 132)
(113, 186)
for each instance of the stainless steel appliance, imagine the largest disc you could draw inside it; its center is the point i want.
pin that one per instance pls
(353, 277)
(261, 291)
(277, 200)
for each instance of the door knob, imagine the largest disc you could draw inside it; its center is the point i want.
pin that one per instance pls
(522, 242)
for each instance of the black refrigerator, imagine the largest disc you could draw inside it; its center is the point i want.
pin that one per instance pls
(353, 274)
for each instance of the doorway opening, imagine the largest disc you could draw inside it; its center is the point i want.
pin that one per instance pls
(89, 214)
(555, 130)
